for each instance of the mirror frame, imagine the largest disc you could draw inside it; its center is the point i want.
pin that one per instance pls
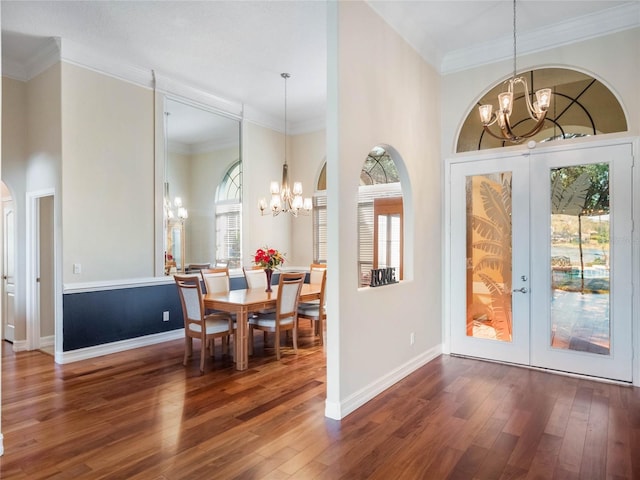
(202, 101)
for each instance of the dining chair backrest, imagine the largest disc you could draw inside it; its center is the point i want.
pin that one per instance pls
(316, 272)
(196, 267)
(216, 280)
(255, 277)
(191, 300)
(289, 286)
(323, 284)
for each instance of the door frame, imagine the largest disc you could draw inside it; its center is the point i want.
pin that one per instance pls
(525, 150)
(32, 237)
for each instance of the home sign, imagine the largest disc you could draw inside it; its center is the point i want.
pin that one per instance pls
(383, 276)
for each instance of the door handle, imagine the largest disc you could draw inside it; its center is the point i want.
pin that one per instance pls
(521, 290)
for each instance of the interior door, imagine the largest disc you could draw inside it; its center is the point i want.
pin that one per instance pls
(490, 259)
(8, 274)
(582, 229)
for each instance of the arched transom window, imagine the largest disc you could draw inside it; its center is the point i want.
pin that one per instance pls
(580, 106)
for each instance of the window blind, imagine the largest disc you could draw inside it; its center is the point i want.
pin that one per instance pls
(320, 228)
(228, 223)
(366, 195)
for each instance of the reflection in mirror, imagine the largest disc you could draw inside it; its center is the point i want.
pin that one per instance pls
(202, 151)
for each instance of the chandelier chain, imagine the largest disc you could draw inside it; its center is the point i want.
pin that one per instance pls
(285, 76)
(514, 39)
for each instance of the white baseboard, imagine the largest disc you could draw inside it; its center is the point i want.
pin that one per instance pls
(338, 411)
(1, 444)
(20, 346)
(47, 341)
(114, 347)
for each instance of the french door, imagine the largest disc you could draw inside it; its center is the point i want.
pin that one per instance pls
(541, 260)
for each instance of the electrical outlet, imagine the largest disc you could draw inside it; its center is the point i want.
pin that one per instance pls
(412, 338)
(165, 316)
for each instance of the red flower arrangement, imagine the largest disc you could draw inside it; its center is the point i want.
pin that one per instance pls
(268, 258)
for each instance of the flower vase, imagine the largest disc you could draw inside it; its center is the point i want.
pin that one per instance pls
(268, 272)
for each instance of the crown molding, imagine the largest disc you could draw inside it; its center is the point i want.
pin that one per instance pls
(170, 86)
(267, 121)
(32, 67)
(82, 56)
(14, 70)
(262, 119)
(202, 147)
(567, 32)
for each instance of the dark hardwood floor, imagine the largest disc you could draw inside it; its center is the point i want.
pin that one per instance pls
(142, 415)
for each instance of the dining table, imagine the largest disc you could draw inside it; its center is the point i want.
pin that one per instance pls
(243, 302)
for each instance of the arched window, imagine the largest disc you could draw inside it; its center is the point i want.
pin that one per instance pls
(580, 106)
(320, 218)
(380, 216)
(229, 217)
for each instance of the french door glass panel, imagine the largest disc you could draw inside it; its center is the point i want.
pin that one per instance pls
(579, 263)
(489, 234)
(581, 303)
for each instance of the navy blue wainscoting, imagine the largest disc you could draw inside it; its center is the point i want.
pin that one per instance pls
(105, 316)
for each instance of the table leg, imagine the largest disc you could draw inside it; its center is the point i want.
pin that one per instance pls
(242, 352)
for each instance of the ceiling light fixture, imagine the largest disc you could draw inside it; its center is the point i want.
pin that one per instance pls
(283, 198)
(537, 111)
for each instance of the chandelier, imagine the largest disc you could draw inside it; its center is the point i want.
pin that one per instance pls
(537, 111)
(283, 198)
(181, 212)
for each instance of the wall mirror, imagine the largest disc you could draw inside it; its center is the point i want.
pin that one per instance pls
(202, 188)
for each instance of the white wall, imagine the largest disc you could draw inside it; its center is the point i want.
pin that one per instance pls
(14, 168)
(44, 131)
(308, 155)
(108, 177)
(262, 157)
(380, 92)
(613, 60)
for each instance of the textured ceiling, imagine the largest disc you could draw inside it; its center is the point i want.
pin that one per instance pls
(237, 49)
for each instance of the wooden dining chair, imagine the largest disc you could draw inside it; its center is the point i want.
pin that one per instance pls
(316, 311)
(316, 271)
(255, 277)
(196, 267)
(197, 324)
(216, 280)
(285, 318)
